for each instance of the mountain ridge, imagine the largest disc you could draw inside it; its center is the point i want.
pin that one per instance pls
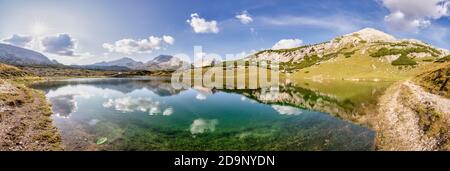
(14, 55)
(165, 62)
(161, 62)
(365, 54)
(122, 62)
(18, 56)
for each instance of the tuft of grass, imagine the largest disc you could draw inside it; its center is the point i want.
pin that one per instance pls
(436, 81)
(444, 59)
(48, 136)
(8, 72)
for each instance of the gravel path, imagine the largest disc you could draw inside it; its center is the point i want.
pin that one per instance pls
(397, 123)
(439, 102)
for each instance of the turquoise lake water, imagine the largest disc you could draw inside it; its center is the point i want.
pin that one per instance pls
(148, 114)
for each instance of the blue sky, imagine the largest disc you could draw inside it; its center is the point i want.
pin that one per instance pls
(86, 31)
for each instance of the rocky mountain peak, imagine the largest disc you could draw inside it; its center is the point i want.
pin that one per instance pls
(19, 56)
(126, 59)
(162, 58)
(165, 62)
(122, 62)
(372, 35)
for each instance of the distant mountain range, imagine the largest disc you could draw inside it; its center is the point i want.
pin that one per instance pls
(19, 56)
(122, 62)
(161, 62)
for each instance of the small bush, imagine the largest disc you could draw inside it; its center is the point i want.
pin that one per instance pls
(306, 62)
(404, 60)
(349, 54)
(385, 51)
(381, 52)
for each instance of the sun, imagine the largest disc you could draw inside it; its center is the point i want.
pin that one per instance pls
(38, 28)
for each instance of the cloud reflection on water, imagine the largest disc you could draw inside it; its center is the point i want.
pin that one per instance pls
(200, 97)
(287, 110)
(63, 105)
(139, 104)
(63, 100)
(200, 126)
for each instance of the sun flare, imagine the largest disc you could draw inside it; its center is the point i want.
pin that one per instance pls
(38, 28)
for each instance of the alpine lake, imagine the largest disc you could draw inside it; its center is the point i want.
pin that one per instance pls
(147, 113)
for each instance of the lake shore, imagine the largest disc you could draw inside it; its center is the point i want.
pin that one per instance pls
(26, 123)
(25, 114)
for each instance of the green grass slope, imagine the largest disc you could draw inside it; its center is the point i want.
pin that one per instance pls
(8, 72)
(366, 62)
(437, 81)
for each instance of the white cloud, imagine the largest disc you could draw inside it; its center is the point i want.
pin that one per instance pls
(412, 15)
(287, 43)
(80, 59)
(129, 46)
(200, 96)
(64, 100)
(243, 98)
(93, 122)
(61, 44)
(169, 39)
(18, 40)
(81, 92)
(129, 104)
(60, 47)
(200, 25)
(287, 110)
(200, 126)
(63, 105)
(154, 110)
(244, 17)
(168, 111)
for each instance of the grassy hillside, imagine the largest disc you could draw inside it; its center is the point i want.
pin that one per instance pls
(365, 63)
(25, 116)
(368, 55)
(437, 81)
(8, 71)
(444, 59)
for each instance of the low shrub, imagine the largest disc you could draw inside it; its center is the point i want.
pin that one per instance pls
(404, 60)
